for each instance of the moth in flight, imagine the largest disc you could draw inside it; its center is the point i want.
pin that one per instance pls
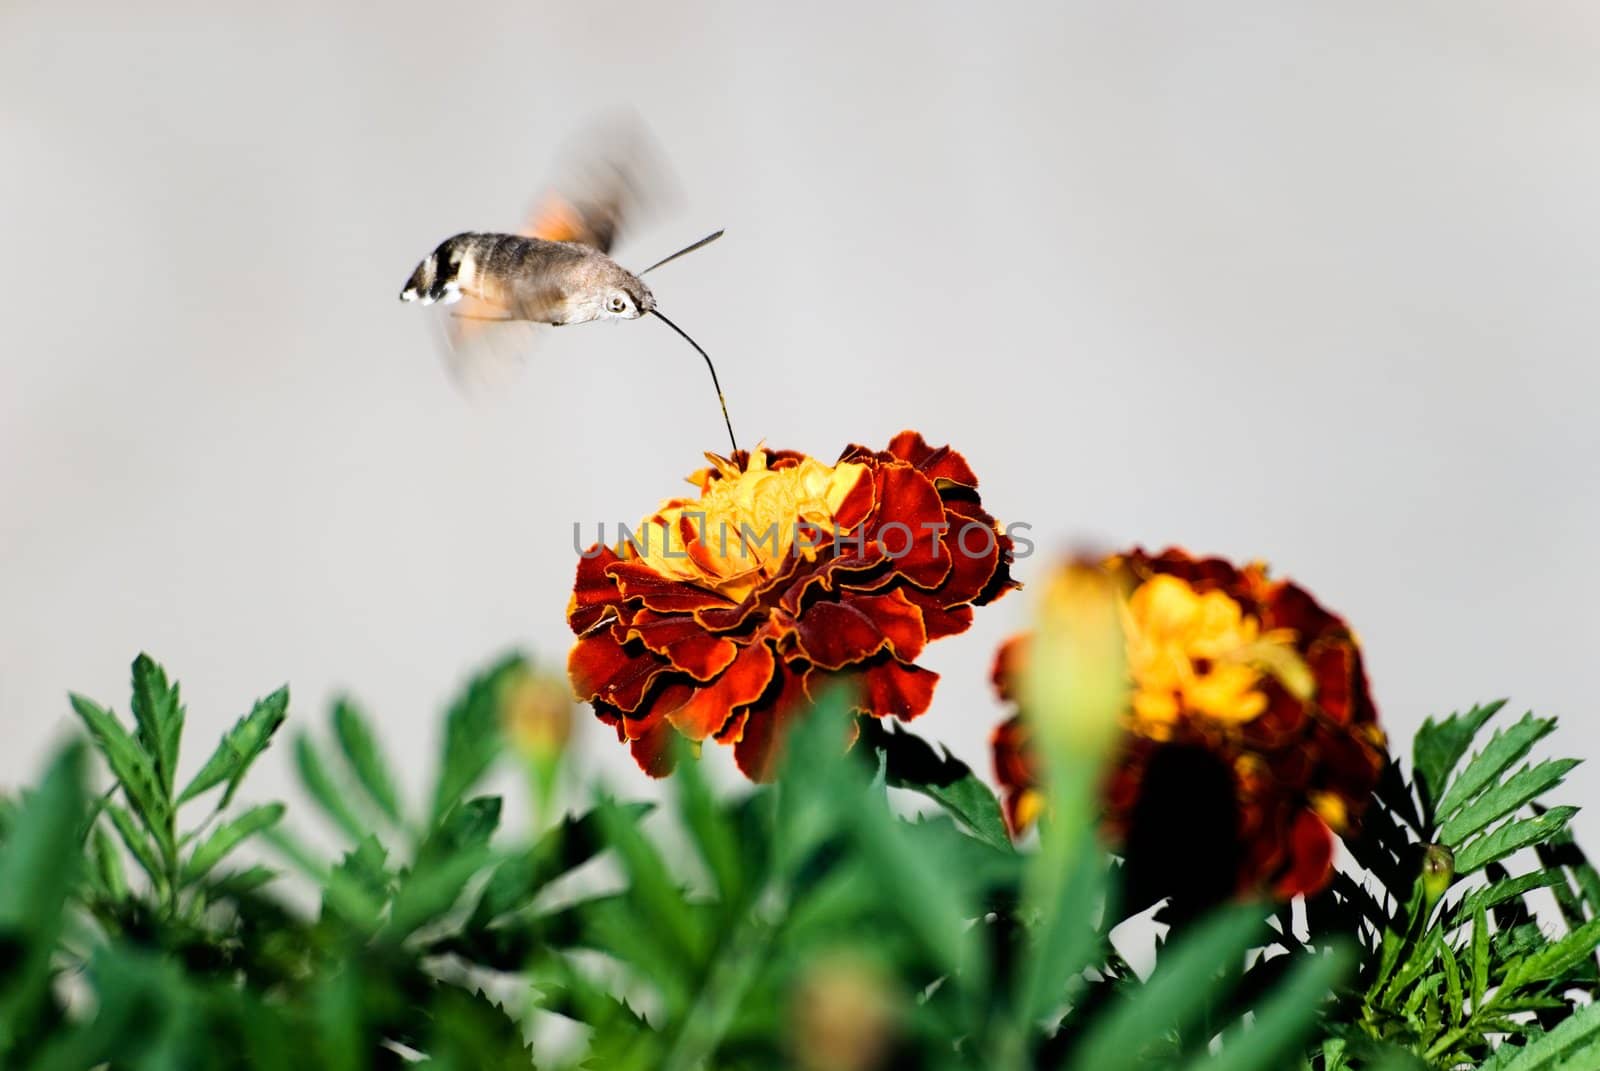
(557, 270)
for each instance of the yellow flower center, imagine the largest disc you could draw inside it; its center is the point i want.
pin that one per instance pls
(746, 524)
(1202, 655)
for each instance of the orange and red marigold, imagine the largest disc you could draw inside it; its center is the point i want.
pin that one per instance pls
(724, 615)
(1249, 735)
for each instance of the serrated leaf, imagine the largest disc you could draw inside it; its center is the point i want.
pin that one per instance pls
(158, 712)
(1439, 746)
(1553, 961)
(361, 751)
(1574, 1045)
(324, 790)
(1065, 936)
(227, 837)
(472, 736)
(108, 872)
(570, 844)
(1417, 964)
(131, 766)
(1499, 892)
(428, 892)
(137, 841)
(1454, 1008)
(1507, 746)
(656, 896)
(239, 747)
(914, 764)
(350, 890)
(1522, 787)
(713, 835)
(1283, 1020)
(240, 882)
(469, 825)
(1175, 998)
(1510, 837)
(1480, 957)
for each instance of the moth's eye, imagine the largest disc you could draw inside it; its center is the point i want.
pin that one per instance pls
(619, 303)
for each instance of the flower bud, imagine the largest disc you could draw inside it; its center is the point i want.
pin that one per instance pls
(843, 1015)
(536, 713)
(1075, 685)
(1438, 871)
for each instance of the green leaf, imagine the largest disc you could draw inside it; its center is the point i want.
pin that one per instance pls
(429, 892)
(1522, 787)
(1065, 935)
(570, 844)
(472, 737)
(158, 712)
(360, 747)
(38, 867)
(1283, 1020)
(137, 842)
(446, 861)
(108, 872)
(134, 770)
(1553, 961)
(1504, 748)
(1499, 892)
(1175, 998)
(320, 784)
(229, 836)
(1574, 1045)
(468, 825)
(655, 895)
(1511, 837)
(1480, 957)
(1455, 1010)
(912, 763)
(713, 835)
(355, 890)
(240, 883)
(1440, 745)
(239, 747)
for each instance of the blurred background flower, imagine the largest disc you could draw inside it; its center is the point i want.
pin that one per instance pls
(1248, 736)
(724, 612)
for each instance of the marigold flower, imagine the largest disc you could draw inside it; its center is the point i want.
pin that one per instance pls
(1237, 682)
(725, 614)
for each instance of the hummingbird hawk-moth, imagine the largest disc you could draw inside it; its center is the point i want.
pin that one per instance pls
(557, 270)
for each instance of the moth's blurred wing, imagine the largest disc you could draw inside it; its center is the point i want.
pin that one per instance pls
(610, 179)
(483, 350)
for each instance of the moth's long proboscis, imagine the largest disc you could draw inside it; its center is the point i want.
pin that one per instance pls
(707, 240)
(714, 381)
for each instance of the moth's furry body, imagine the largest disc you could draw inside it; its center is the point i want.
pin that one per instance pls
(531, 279)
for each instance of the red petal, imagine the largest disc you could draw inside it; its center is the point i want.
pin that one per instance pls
(833, 635)
(638, 581)
(594, 593)
(601, 669)
(759, 744)
(655, 751)
(705, 710)
(1009, 661)
(897, 617)
(1310, 857)
(905, 529)
(887, 689)
(941, 463)
(684, 643)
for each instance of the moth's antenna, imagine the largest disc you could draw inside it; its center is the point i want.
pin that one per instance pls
(707, 240)
(720, 400)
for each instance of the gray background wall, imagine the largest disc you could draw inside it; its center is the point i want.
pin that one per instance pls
(1308, 282)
